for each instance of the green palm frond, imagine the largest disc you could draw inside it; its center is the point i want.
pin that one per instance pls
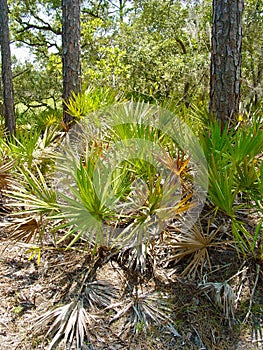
(34, 200)
(116, 188)
(233, 164)
(93, 99)
(34, 194)
(34, 147)
(247, 144)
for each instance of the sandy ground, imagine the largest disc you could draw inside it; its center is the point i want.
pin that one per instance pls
(28, 290)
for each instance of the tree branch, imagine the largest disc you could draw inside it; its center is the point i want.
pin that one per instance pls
(20, 73)
(91, 14)
(45, 27)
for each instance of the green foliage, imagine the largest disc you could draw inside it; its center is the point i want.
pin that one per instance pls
(252, 56)
(44, 17)
(35, 193)
(39, 120)
(34, 201)
(151, 50)
(110, 208)
(235, 173)
(32, 147)
(113, 195)
(93, 99)
(234, 165)
(37, 88)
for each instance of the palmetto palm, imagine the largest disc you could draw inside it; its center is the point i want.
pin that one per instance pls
(118, 176)
(235, 173)
(120, 180)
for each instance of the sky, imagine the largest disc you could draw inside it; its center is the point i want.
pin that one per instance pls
(22, 53)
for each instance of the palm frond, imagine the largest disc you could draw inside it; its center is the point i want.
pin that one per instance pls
(195, 243)
(24, 229)
(34, 194)
(134, 257)
(6, 179)
(224, 297)
(69, 323)
(99, 294)
(141, 310)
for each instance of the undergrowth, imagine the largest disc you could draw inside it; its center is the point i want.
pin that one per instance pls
(98, 190)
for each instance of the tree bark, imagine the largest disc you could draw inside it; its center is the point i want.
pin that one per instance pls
(8, 94)
(71, 64)
(225, 70)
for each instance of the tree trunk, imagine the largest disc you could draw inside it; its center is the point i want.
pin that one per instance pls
(226, 59)
(9, 109)
(71, 65)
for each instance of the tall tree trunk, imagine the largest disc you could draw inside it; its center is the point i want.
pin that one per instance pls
(226, 59)
(9, 109)
(71, 65)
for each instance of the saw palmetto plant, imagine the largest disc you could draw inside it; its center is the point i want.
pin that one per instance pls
(33, 194)
(33, 200)
(235, 174)
(33, 147)
(121, 179)
(233, 164)
(123, 188)
(80, 105)
(118, 184)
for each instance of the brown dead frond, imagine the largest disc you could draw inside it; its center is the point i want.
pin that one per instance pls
(178, 166)
(223, 296)
(6, 179)
(195, 243)
(99, 294)
(70, 324)
(24, 229)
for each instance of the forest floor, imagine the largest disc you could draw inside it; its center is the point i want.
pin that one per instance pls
(28, 291)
